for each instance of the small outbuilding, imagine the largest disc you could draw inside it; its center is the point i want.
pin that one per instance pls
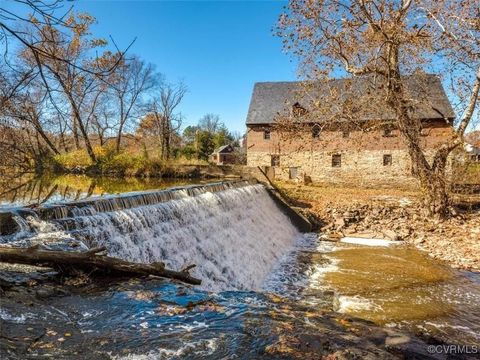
(473, 152)
(224, 155)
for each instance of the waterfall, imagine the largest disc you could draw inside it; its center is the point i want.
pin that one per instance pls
(233, 232)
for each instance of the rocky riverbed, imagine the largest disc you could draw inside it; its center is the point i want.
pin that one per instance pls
(391, 214)
(156, 319)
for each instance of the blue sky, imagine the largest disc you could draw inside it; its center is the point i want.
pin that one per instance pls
(219, 48)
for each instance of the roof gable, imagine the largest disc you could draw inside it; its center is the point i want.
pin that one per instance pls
(224, 149)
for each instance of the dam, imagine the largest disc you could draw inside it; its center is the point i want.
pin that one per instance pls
(215, 226)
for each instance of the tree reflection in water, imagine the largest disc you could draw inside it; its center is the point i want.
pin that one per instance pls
(29, 190)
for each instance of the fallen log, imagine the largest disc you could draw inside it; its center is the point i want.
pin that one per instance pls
(93, 260)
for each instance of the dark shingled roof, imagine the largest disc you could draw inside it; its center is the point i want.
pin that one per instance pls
(223, 148)
(271, 99)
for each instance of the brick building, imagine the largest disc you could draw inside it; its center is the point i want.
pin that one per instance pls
(365, 149)
(223, 155)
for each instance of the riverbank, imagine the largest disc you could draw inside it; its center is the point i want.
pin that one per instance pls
(133, 163)
(394, 214)
(167, 170)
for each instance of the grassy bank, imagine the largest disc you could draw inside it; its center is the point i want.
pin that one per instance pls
(109, 162)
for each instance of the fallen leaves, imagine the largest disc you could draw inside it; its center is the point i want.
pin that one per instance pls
(170, 310)
(141, 295)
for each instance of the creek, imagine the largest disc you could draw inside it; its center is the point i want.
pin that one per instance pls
(267, 288)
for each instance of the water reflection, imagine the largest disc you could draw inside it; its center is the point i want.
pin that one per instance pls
(29, 190)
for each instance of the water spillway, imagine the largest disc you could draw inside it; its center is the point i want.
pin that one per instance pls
(233, 231)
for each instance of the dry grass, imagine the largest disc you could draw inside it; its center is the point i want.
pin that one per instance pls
(327, 194)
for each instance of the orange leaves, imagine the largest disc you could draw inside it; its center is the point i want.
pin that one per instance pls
(170, 310)
(141, 295)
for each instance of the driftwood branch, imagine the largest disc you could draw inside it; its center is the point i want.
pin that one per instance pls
(93, 260)
(188, 268)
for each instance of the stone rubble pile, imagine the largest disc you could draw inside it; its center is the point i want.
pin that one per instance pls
(455, 240)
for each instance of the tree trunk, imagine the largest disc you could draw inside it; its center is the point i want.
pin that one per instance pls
(120, 129)
(432, 177)
(119, 139)
(92, 260)
(49, 143)
(75, 134)
(436, 199)
(77, 119)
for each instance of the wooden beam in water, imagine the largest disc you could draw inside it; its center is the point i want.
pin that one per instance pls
(93, 260)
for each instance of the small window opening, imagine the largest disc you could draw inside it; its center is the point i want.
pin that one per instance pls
(387, 160)
(336, 160)
(266, 134)
(316, 131)
(346, 133)
(298, 110)
(293, 172)
(275, 160)
(387, 132)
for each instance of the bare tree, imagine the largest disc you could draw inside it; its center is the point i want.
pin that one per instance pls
(210, 123)
(104, 119)
(73, 77)
(13, 24)
(388, 41)
(130, 82)
(165, 111)
(25, 121)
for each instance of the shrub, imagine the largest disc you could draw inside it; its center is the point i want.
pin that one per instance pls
(74, 159)
(134, 163)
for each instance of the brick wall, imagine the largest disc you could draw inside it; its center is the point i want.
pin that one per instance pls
(362, 154)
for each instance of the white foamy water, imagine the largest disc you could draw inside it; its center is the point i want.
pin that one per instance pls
(369, 241)
(200, 348)
(347, 304)
(5, 315)
(235, 236)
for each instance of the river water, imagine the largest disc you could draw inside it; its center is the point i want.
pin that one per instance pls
(28, 189)
(267, 289)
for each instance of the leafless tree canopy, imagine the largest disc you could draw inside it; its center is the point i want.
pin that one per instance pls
(164, 120)
(61, 88)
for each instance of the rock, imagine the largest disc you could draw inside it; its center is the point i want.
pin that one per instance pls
(391, 235)
(45, 292)
(419, 240)
(7, 224)
(339, 221)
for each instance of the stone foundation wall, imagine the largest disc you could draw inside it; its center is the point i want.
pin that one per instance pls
(362, 154)
(363, 168)
(259, 158)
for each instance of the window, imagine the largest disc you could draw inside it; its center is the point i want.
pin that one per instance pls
(275, 160)
(293, 172)
(266, 134)
(298, 110)
(387, 132)
(315, 131)
(346, 133)
(387, 160)
(336, 160)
